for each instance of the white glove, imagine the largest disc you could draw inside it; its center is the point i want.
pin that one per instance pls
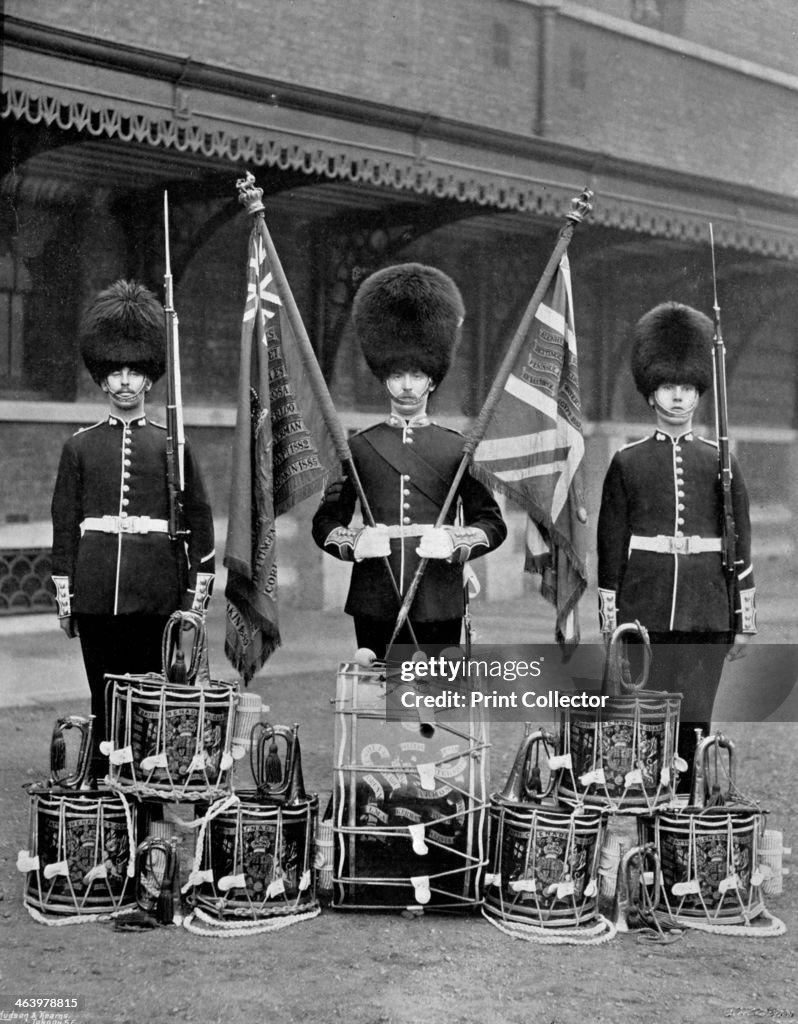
(372, 542)
(436, 543)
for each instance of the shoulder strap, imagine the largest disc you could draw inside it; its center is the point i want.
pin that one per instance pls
(404, 458)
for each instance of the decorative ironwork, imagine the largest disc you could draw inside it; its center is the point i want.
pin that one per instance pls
(25, 584)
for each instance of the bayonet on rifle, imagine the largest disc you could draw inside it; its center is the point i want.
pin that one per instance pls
(728, 531)
(175, 436)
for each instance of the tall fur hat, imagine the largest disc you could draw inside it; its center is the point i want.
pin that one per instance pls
(408, 317)
(124, 326)
(672, 344)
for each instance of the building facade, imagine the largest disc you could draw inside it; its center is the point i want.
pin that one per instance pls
(384, 131)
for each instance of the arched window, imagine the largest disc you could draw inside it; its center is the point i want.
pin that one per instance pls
(14, 285)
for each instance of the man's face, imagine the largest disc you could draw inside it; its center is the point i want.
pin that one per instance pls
(675, 404)
(126, 388)
(409, 391)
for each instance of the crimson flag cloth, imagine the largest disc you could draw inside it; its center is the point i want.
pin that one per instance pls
(282, 454)
(533, 452)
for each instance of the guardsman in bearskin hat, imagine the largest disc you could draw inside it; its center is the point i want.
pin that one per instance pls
(118, 575)
(659, 529)
(407, 319)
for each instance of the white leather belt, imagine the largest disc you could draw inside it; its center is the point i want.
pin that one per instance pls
(410, 530)
(124, 524)
(664, 545)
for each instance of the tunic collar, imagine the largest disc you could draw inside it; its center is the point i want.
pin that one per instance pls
(115, 421)
(420, 420)
(660, 435)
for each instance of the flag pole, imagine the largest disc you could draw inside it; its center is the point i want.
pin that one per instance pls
(580, 207)
(251, 197)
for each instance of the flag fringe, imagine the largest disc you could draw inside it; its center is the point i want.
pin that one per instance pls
(248, 669)
(302, 493)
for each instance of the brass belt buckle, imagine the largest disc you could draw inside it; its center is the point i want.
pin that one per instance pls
(680, 545)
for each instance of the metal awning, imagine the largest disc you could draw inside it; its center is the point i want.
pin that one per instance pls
(107, 91)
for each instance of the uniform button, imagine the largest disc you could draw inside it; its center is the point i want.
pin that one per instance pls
(126, 476)
(679, 533)
(406, 505)
(126, 501)
(677, 448)
(680, 494)
(406, 492)
(407, 520)
(123, 515)
(680, 507)
(408, 440)
(680, 521)
(406, 477)
(125, 487)
(128, 462)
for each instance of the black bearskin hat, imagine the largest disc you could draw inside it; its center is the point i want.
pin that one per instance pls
(408, 317)
(124, 326)
(672, 344)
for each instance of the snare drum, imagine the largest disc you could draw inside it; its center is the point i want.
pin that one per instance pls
(255, 860)
(170, 741)
(544, 864)
(621, 757)
(710, 862)
(81, 855)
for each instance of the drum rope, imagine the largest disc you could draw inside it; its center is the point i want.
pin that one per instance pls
(592, 935)
(210, 927)
(75, 918)
(776, 927)
(231, 800)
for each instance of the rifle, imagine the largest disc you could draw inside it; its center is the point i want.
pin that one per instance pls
(728, 532)
(175, 436)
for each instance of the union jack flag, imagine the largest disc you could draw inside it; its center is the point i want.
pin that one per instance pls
(282, 454)
(533, 452)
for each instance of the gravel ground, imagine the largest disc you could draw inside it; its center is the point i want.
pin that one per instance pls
(384, 968)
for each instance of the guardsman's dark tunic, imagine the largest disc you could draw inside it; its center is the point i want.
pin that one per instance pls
(664, 487)
(406, 471)
(660, 563)
(118, 471)
(121, 574)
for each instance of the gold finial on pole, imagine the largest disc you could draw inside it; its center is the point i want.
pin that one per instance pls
(581, 206)
(249, 195)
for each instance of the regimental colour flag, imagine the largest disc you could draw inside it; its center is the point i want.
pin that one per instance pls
(533, 452)
(282, 453)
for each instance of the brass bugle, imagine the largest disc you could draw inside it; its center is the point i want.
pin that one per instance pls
(521, 782)
(626, 910)
(60, 775)
(276, 778)
(179, 666)
(704, 794)
(617, 679)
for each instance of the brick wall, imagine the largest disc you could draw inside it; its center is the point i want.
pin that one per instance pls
(609, 92)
